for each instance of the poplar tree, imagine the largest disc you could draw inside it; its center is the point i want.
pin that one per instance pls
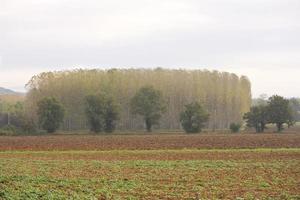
(226, 96)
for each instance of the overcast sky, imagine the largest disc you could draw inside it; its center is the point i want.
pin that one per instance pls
(257, 38)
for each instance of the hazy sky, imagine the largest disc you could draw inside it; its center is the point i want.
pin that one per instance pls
(257, 38)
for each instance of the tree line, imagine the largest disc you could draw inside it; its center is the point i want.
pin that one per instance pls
(102, 112)
(276, 110)
(13, 118)
(47, 105)
(225, 96)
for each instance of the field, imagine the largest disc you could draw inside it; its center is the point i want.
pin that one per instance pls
(150, 142)
(202, 166)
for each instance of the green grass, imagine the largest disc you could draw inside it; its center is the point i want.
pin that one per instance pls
(43, 178)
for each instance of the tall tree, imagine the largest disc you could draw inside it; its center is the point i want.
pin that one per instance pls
(280, 112)
(50, 113)
(149, 103)
(193, 118)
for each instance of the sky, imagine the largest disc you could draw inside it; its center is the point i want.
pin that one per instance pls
(256, 38)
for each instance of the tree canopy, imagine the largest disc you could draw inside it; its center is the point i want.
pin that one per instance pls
(102, 111)
(280, 112)
(50, 113)
(295, 106)
(277, 110)
(95, 112)
(257, 117)
(149, 103)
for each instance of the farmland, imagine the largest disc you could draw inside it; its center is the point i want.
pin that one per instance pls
(150, 142)
(200, 166)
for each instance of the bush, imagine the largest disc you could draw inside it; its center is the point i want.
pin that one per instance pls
(235, 127)
(193, 118)
(28, 126)
(8, 130)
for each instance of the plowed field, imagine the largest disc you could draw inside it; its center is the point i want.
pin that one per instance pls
(151, 174)
(144, 142)
(151, 167)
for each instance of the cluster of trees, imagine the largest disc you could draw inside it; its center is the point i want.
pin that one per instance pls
(10, 112)
(104, 100)
(11, 106)
(276, 110)
(102, 112)
(13, 119)
(225, 96)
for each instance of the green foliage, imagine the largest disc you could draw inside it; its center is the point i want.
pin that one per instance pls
(8, 130)
(37, 175)
(28, 126)
(193, 118)
(94, 112)
(295, 107)
(50, 113)
(149, 103)
(235, 127)
(280, 112)
(277, 110)
(257, 117)
(102, 111)
(111, 114)
(13, 113)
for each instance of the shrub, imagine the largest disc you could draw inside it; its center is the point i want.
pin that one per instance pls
(235, 127)
(193, 118)
(8, 130)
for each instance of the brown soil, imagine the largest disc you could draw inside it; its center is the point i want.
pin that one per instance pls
(268, 155)
(146, 142)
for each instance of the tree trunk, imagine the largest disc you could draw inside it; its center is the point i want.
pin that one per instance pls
(8, 118)
(262, 127)
(148, 125)
(279, 127)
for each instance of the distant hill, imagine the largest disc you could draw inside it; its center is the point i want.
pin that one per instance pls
(10, 96)
(4, 91)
